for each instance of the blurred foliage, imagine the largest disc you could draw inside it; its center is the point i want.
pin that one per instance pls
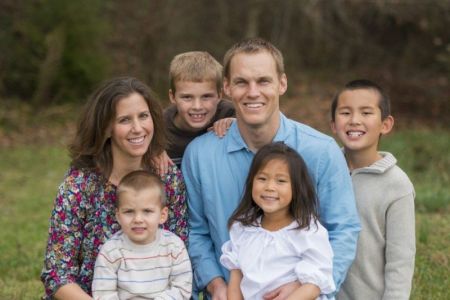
(52, 50)
(57, 50)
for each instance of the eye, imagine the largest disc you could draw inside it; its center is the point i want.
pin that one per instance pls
(366, 113)
(239, 82)
(127, 211)
(148, 211)
(261, 178)
(144, 115)
(264, 81)
(124, 120)
(186, 97)
(207, 97)
(344, 113)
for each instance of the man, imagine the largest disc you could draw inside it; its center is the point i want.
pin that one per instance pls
(215, 169)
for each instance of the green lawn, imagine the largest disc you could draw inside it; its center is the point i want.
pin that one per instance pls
(30, 175)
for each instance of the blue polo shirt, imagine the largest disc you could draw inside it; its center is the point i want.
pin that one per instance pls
(215, 170)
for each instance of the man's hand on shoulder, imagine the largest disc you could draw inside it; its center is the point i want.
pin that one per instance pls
(217, 288)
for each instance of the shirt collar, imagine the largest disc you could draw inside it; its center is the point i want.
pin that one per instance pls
(236, 142)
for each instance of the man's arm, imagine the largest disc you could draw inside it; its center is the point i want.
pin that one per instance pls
(201, 247)
(338, 210)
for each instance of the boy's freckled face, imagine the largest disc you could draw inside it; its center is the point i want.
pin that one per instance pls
(196, 104)
(358, 122)
(140, 213)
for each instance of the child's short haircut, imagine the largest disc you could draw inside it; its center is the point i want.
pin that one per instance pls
(384, 102)
(195, 66)
(140, 180)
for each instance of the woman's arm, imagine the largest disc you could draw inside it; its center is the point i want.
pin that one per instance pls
(176, 196)
(71, 291)
(234, 286)
(62, 265)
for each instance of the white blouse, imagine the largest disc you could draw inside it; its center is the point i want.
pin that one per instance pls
(269, 259)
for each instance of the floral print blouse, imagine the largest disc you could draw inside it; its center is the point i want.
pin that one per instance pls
(83, 218)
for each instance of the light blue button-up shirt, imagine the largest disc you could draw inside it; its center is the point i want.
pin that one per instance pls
(215, 170)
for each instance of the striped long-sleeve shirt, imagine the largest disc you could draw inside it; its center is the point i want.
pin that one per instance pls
(159, 270)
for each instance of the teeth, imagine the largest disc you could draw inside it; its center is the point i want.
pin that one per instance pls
(355, 133)
(197, 116)
(137, 140)
(269, 198)
(254, 105)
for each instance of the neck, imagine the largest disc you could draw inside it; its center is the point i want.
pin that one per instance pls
(273, 222)
(361, 159)
(257, 136)
(122, 167)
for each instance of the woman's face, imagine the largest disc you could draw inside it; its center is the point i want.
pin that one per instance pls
(131, 128)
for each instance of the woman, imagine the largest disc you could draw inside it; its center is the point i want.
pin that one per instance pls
(120, 130)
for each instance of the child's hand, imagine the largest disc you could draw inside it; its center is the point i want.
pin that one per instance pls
(283, 291)
(220, 127)
(162, 162)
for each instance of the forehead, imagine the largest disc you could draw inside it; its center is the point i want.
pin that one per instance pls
(187, 86)
(131, 103)
(277, 164)
(260, 63)
(138, 198)
(358, 98)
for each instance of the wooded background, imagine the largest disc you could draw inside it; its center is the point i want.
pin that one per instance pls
(56, 51)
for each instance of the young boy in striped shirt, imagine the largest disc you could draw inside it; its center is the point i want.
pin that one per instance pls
(142, 260)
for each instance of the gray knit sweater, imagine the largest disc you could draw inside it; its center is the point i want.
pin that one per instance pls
(384, 264)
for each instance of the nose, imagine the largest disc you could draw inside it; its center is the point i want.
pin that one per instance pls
(354, 119)
(138, 218)
(253, 90)
(197, 104)
(270, 185)
(136, 126)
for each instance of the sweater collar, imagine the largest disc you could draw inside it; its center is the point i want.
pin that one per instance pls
(380, 166)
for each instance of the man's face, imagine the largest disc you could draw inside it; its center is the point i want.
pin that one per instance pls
(196, 104)
(254, 86)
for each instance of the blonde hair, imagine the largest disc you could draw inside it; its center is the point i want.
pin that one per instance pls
(252, 46)
(195, 66)
(139, 180)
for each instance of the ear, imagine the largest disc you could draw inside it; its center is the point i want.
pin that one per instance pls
(226, 87)
(333, 126)
(117, 216)
(387, 124)
(283, 84)
(172, 96)
(164, 215)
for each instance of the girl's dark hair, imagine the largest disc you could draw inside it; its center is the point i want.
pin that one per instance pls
(304, 204)
(91, 146)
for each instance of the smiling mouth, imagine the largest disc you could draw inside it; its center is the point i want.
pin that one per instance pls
(269, 198)
(137, 141)
(355, 133)
(253, 105)
(197, 116)
(138, 229)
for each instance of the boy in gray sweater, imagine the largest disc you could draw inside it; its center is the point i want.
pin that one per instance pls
(384, 264)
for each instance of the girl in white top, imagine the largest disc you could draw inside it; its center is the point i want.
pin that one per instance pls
(275, 235)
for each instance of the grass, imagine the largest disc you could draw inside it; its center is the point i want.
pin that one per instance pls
(30, 175)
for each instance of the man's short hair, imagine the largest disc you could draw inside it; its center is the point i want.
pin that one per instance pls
(249, 46)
